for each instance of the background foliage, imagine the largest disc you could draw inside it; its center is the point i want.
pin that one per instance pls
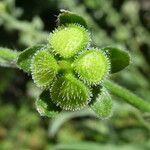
(123, 23)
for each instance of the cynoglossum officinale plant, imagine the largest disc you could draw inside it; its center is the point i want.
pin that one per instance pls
(72, 73)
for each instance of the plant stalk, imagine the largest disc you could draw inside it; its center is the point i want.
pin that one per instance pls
(127, 96)
(8, 57)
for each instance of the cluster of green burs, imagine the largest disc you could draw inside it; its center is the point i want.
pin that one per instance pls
(69, 70)
(70, 67)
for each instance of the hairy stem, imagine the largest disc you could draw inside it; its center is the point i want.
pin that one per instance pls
(127, 96)
(8, 57)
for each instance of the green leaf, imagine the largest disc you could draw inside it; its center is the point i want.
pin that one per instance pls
(96, 90)
(24, 59)
(103, 105)
(45, 106)
(66, 17)
(119, 58)
(8, 57)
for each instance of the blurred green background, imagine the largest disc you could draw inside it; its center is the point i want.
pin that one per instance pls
(122, 23)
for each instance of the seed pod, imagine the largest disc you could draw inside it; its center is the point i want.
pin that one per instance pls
(68, 40)
(103, 105)
(92, 66)
(70, 93)
(43, 68)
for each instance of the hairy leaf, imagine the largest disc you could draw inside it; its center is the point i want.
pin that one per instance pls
(45, 106)
(66, 17)
(119, 58)
(103, 105)
(24, 59)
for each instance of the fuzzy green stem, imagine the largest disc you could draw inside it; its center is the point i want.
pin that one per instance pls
(127, 96)
(8, 57)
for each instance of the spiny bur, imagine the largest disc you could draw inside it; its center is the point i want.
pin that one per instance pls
(92, 66)
(59, 74)
(70, 93)
(44, 68)
(68, 40)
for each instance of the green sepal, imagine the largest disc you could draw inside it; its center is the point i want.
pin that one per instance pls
(66, 17)
(24, 59)
(45, 106)
(103, 105)
(119, 58)
(96, 90)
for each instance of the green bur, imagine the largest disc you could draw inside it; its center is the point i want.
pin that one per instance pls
(92, 66)
(68, 40)
(70, 93)
(44, 68)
